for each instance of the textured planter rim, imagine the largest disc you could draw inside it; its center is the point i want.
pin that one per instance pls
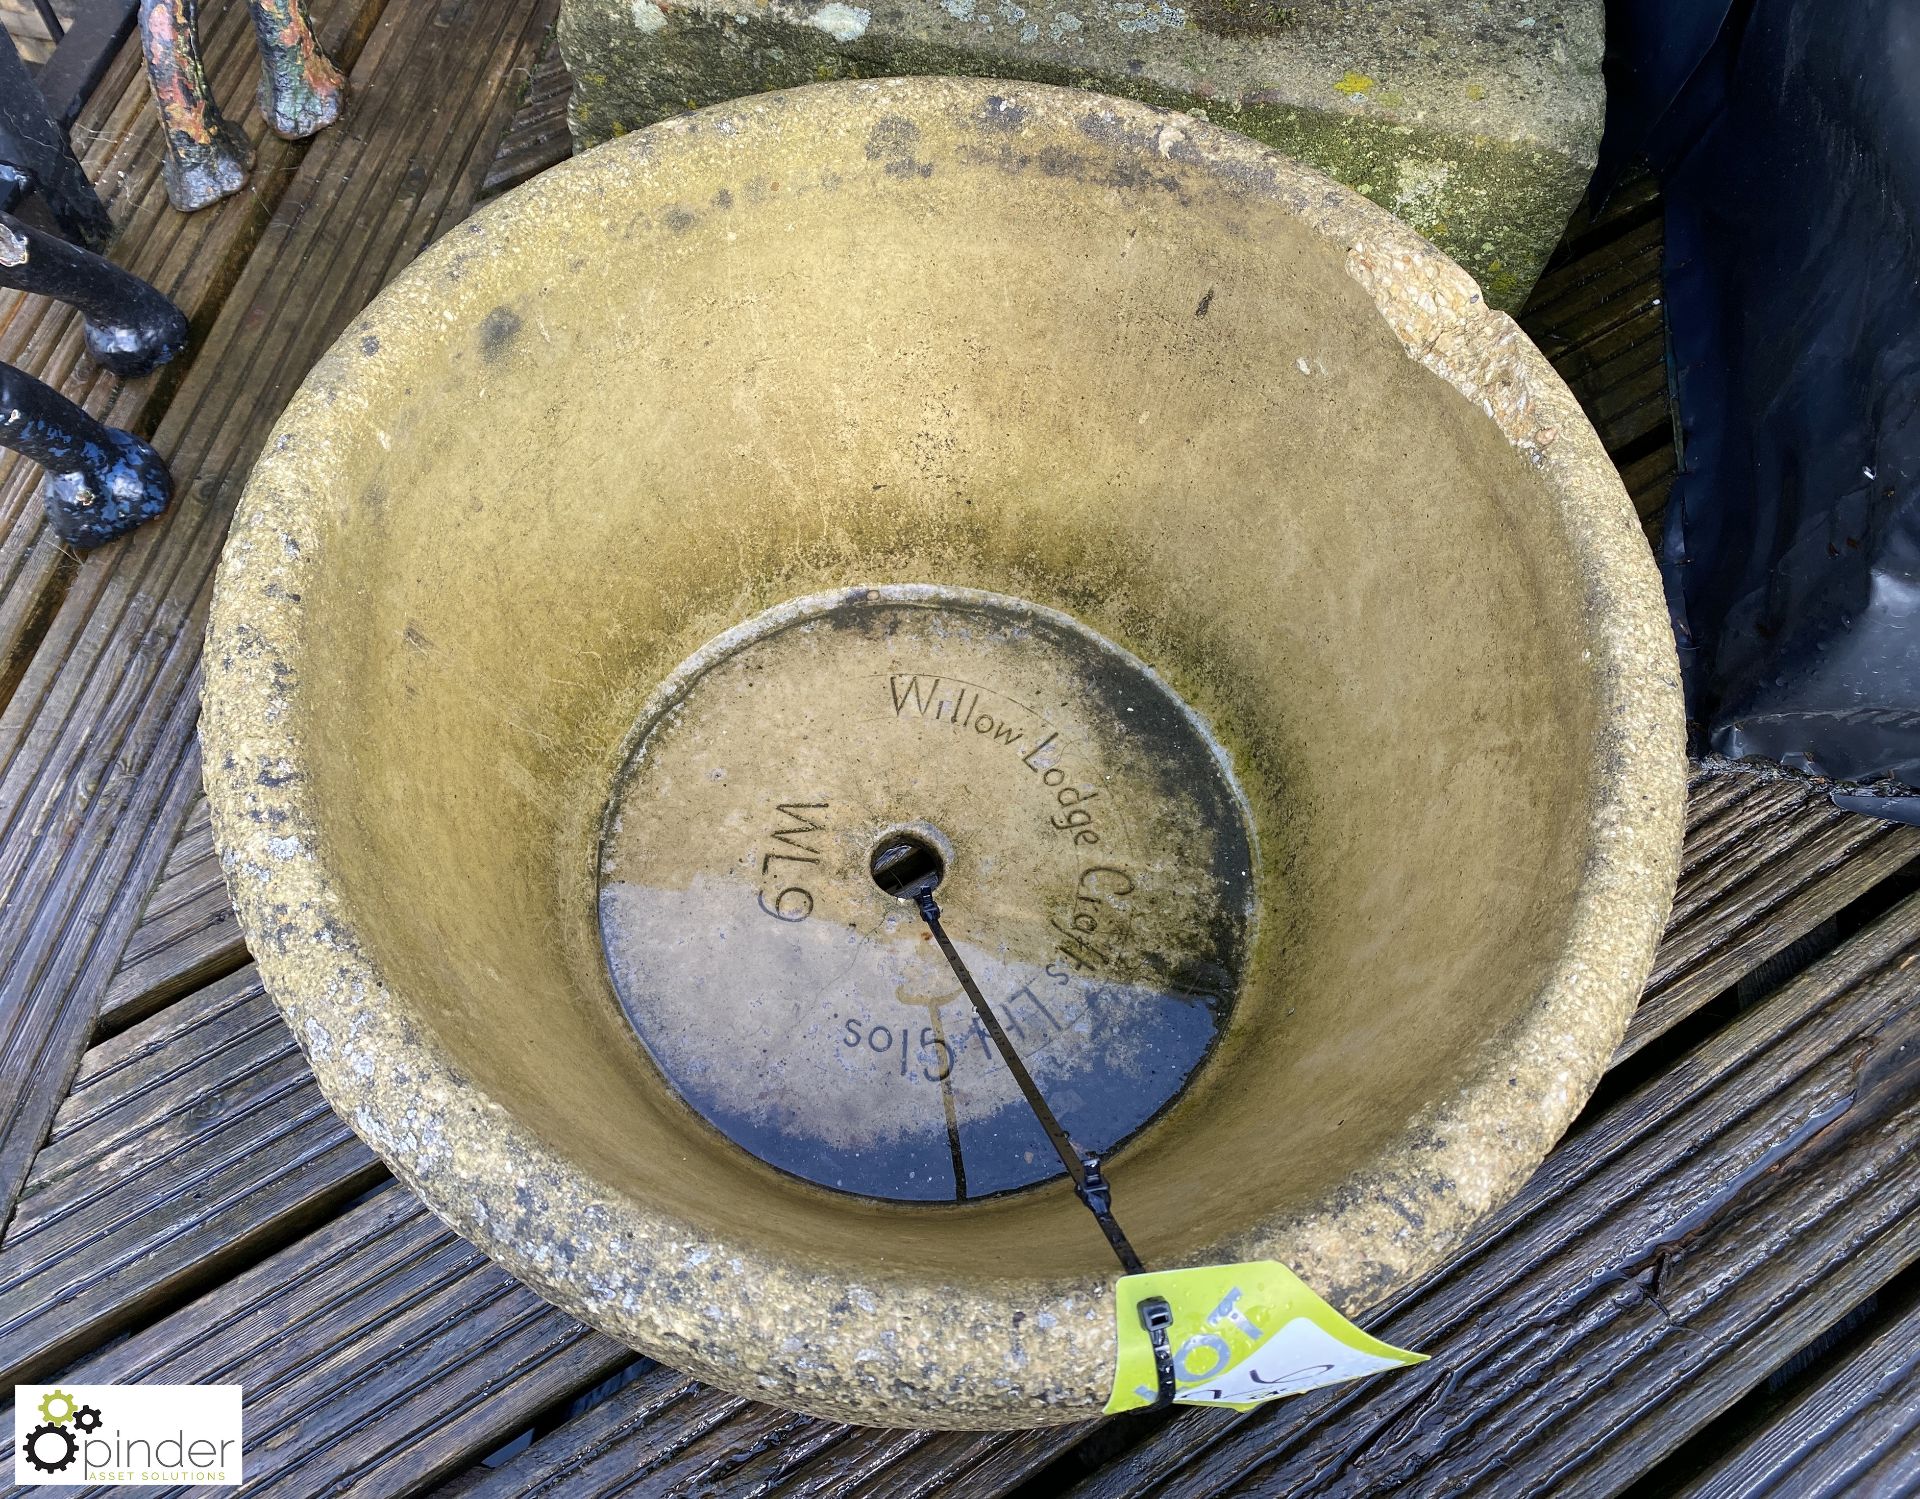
(465, 1155)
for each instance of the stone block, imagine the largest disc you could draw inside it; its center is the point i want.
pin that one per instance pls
(1474, 121)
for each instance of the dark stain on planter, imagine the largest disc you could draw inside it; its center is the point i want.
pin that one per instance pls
(892, 143)
(1004, 114)
(497, 330)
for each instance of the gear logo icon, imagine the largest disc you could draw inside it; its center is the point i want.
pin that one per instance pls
(50, 1447)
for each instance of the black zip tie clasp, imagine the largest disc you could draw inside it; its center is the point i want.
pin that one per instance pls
(1156, 1316)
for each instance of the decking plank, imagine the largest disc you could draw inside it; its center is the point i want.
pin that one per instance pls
(186, 937)
(1739, 908)
(1857, 1432)
(185, 883)
(1649, 479)
(538, 135)
(1621, 292)
(189, 1146)
(1634, 201)
(195, 840)
(171, 955)
(99, 729)
(379, 1353)
(1635, 346)
(1577, 282)
(172, 906)
(668, 1434)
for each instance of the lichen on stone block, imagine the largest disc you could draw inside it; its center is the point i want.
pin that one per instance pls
(1474, 121)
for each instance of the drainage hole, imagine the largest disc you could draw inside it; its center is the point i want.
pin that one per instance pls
(906, 865)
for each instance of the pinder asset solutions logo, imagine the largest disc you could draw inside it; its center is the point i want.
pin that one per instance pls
(126, 1433)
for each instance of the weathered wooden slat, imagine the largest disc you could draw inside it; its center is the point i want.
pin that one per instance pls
(188, 936)
(43, 1028)
(100, 725)
(1592, 312)
(191, 257)
(625, 1438)
(1855, 1433)
(1598, 314)
(533, 154)
(1582, 324)
(1633, 202)
(177, 892)
(21, 21)
(1664, 1261)
(189, 1146)
(1770, 880)
(1626, 407)
(1634, 348)
(381, 1348)
(991, 1463)
(193, 843)
(538, 136)
(1650, 479)
(1647, 420)
(1723, 807)
(1581, 281)
(171, 954)
(1710, 789)
(668, 1434)
(1747, 837)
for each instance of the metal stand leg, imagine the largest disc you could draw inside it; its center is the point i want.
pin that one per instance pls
(300, 90)
(207, 159)
(101, 482)
(131, 328)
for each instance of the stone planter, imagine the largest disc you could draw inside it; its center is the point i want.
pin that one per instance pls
(1112, 380)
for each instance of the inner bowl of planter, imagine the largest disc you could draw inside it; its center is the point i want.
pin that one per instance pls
(625, 574)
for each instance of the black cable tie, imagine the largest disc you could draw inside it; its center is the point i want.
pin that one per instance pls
(1083, 1167)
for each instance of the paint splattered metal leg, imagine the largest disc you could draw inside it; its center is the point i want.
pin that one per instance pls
(101, 482)
(207, 159)
(131, 328)
(300, 90)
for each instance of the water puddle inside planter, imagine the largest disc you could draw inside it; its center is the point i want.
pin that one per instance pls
(802, 775)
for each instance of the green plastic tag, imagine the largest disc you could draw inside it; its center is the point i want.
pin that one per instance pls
(1241, 1335)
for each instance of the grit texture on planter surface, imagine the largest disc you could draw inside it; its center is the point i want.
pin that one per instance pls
(1475, 121)
(1091, 492)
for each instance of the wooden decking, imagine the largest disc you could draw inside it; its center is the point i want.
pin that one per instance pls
(29, 31)
(1709, 1288)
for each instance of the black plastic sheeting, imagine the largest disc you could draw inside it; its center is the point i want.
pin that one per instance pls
(1786, 134)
